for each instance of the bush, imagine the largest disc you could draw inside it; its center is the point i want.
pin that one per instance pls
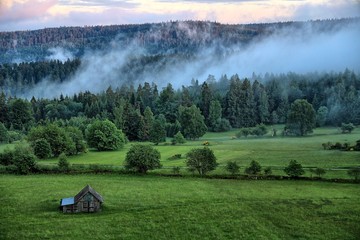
(7, 157)
(268, 171)
(176, 170)
(104, 136)
(175, 156)
(355, 173)
(63, 163)
(319, 172)
(24, 160)
(347, 127)
(141, 158)
(178, 138)
(201, 159)
(254, 168)
(233, 168)
(259, 130)
(42, 148)
(294, 169)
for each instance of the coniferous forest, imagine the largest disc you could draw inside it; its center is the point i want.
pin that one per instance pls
(216, 103)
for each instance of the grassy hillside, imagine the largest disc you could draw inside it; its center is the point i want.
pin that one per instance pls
(151, 207)
(269, 151)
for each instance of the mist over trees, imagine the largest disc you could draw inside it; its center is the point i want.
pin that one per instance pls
(144, 88)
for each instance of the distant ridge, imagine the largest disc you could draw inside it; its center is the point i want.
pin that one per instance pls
(157, 38)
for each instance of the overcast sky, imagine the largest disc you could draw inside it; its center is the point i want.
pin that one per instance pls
(38, 14)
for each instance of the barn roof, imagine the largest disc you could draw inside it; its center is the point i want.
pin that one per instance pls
(86, 190)
(67, 201)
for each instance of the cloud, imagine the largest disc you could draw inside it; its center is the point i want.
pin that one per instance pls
(16, 10)
(288, 50)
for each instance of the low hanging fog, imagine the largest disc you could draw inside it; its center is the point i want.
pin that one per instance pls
(297, 50)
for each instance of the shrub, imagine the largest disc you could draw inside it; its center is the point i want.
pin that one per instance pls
(176, 170)
(104, 136)
(294, 169)
(42, 148)
(63, 163)
(201, 159)
(178, 138)
(232, 167)
(24, 160)
(319, 172)
(254, 168)
(268, 171)
(347, 127)
(355, 173)
(142, 158)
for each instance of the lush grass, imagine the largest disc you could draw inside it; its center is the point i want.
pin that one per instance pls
(149, 207)
(269, 151)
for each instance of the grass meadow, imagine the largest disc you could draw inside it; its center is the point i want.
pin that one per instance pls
(275, 152)
(155, 207)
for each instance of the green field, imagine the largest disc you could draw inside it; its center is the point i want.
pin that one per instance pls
(275, 152)
(151, 207)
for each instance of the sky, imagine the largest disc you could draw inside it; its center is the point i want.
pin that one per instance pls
(38, 14)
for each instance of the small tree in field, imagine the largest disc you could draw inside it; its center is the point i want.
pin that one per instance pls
(233, 168)
(141, 158)
(319, 172)
(63, 163)
(42, 148)
(24, 160)
(301, 118)
(355, 173)
(347, 127)
(254, 168)
(294, 169)
(268, 171)
(178, 138)
(201, 159)
(104, 136)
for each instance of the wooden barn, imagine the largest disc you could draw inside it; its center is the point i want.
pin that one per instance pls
(87, 200)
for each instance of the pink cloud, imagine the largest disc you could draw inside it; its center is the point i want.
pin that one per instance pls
(15, 11)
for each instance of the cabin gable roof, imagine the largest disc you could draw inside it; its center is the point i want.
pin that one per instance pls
(85, 190)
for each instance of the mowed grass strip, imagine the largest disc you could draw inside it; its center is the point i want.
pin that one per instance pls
(151, 207)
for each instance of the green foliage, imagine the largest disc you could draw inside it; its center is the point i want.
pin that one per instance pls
(157, 132)
(56, 136)
(294, 169)
(24, 160)
(268, 171)
(221, 125)
(4, 135)
(63, 164)
(321, 116)
(104, 136)
(192, 122)
(254, 168)
(319, 171)
(259, 130)
(347, 127)
(301, 118)
(232, 167)
(354, 173)
(178, 139)
(77, 138)
(176, 170)
(141, 158)
(42, 148)
(243, 132)
(7, 157)
(21, 114)
(201, 159)
(15, 136)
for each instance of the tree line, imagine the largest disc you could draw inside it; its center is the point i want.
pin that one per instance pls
(214, 105)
